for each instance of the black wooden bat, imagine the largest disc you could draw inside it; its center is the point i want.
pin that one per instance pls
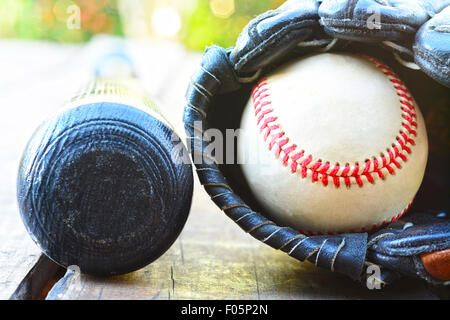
(99, 184)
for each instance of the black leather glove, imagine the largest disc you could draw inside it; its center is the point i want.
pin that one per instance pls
(432, 47)
(371, 20)
(295, 28)
(396, 23)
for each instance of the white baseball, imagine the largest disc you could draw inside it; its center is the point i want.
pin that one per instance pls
(333, 143)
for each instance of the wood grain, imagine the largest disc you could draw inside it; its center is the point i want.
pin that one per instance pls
(215, 259)
(29, 91)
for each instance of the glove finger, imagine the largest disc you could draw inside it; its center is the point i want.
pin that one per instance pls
(433, 7)
(402, 246)
(270, 35)
(432, 47)
(372, 20)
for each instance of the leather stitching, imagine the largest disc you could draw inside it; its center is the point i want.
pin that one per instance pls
(289, 28)
(361, 25)
(430, 57)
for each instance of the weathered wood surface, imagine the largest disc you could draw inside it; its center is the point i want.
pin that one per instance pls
(212, 259)
(30, 88)
(215, 259)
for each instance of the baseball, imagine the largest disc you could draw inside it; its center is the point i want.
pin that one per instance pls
(333, 143)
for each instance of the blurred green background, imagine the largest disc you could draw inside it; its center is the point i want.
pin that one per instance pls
(195, 23)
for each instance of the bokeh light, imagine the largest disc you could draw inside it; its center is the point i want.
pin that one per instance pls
(9, 15)
(166, 21)
(222, 8)
(220, 21)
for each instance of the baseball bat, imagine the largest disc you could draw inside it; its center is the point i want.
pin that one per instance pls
(99, 184)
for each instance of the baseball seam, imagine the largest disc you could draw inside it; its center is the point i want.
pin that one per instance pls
(319, 170)
(337, 174)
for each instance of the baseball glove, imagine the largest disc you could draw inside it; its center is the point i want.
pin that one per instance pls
(408, 35)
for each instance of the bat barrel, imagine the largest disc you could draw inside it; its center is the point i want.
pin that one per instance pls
(100, 186)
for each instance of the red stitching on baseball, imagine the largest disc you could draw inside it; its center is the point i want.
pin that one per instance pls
(322, 171)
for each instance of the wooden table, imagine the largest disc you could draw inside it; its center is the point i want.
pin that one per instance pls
(212, 259)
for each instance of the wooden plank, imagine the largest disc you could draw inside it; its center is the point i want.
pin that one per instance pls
(38, 282)
(18, 253)
(29, 92)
